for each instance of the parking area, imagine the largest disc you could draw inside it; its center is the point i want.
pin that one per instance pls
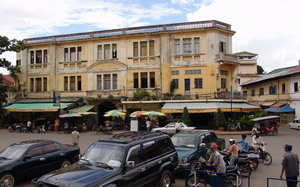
(258, 177)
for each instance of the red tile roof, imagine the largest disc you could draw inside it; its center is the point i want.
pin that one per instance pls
(7, 80)
(296, 69)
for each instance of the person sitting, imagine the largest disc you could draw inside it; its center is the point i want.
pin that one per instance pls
(232, 151)
(244, 144)
(258, 142)
(216, 159)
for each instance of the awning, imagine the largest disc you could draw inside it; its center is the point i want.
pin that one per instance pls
(267, 104)
(279, 104)
(208, 107)
(82, 109)
(282, 109)
(35, 107)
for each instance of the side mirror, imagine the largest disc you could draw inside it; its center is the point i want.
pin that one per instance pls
(26, 157)
(202, 145)
(130, 164)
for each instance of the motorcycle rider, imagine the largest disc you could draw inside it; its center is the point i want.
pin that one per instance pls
(258, 142)
(244, 144)
(216, 159)
(232, 151)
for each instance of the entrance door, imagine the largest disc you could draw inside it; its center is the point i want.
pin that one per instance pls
(187, 87)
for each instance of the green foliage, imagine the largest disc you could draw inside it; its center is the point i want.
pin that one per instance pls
(12, 89)
(186, 116)
(220, 119)
(246, 120)
(110, 97)
(260, 70)
(172, 86)
(140, 94)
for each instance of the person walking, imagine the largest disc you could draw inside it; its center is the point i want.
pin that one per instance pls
(75, 137)
(148, 124)
(66, 127)
(290, 165)
(244, 144)
(29, 126)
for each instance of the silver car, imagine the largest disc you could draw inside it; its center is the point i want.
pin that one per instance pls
(295, 124)
(170, 128)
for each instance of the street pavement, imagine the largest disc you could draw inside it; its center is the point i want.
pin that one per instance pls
(258, 177)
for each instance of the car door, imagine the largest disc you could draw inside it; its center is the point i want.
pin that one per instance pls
(54, 156)
(170, 129)
(33, 165)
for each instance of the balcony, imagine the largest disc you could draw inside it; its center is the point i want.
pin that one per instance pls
(227, 58)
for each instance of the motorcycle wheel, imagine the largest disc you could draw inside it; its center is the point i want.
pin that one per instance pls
(18, 130)
(191, 180)
(234, 181)
(254, 165)
(274, 132)
(267, 159)
(245, 170)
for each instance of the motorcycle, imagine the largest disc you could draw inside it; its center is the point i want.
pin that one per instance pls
(264, 156)
(253, 159)
(106, 130)
(196, 178)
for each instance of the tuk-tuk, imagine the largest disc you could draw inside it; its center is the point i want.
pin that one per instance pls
(267, 124)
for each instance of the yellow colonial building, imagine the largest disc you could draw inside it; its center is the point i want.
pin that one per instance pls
(195, 56)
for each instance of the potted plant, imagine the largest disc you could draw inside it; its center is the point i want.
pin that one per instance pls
(221, 122)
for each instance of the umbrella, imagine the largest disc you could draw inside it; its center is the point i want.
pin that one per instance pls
(152, 113)
(69, 115)
(136, 114)
(87, 113)
(114, 113)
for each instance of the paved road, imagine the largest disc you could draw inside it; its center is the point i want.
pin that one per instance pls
(258, 178)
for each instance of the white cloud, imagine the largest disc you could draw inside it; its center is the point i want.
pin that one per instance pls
(182, 1)
(269, 28)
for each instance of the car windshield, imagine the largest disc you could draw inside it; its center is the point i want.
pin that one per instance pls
(184, 141)
(109, 155)
(13, 152)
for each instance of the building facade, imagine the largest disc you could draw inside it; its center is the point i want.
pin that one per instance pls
(196, 57)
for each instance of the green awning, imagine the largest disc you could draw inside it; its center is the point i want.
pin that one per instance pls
(35, 107)
(82, 109)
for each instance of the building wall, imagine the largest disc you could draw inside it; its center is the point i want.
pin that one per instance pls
(295, 94)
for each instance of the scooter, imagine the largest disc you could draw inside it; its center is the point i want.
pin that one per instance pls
(106, 130)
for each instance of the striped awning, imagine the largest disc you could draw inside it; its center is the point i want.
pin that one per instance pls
(35, 107)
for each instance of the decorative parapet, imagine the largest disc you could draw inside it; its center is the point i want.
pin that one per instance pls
(131, 31)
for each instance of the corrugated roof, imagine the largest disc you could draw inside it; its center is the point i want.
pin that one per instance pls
(84, 108)
(35, 107)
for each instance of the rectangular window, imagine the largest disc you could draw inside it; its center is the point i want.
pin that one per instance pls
(198, 83)
(223, 83)
(223, 47)
(176, 85)
(39, 56)
(72, 83)
(114, 51)
(106, 51)
(135, 49)
(193, 72)
(99, 82)
(66, 83)
(144, 80)
(66, 54)
(177, 47)
(152, 79)
(79, 52)
(115, 81)
(252, 92)
(106, 81)
(151, 48)
(99, 52)
(45, 56)
(31, 84)
(261, 91)
(72, 54)
(296, 88)
(283, 88)
(38, 84)
(175, 72)
(135, 80)
(223, 72)
(187, 46)
(18, 62)
(143, 49)
(79, 83)
(45, 83)
(196, 45)
(273, 90)
(31, 57)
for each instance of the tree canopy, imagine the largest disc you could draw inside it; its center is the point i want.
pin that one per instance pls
(260, 70)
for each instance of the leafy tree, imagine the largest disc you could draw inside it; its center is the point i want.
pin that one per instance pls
(186, 116)
(220, 119)
(140, 94)
(172, 86)
(260, 70)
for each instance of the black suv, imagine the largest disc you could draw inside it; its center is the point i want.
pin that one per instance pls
(126, 159)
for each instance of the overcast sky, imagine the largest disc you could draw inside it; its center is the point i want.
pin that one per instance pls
(269, 28)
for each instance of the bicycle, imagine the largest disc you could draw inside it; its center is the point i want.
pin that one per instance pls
(235, 127)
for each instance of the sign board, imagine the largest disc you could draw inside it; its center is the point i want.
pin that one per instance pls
(134, 125)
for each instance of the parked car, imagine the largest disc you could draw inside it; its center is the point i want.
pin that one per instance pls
(29, 159)
(126, 159)
(187, 145)
(170, 128)
(295, 124)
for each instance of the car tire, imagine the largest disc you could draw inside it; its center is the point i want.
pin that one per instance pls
(7, 180)
(166, 179)
(65, 163)
(298, 127)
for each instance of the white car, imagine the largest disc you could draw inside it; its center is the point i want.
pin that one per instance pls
(295, 124)
(170, 128)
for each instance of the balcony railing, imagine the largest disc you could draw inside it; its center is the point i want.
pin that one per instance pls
(224, 57)
(133, 30)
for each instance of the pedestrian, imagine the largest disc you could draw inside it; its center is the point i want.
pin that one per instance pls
(66, 127)
(177, 126)
(148, 124)
(244, 144)
(290, 165)
(75, 137)
(216, 159)
(233, 151)
(29, 126)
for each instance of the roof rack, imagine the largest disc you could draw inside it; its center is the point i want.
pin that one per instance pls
(132, 136)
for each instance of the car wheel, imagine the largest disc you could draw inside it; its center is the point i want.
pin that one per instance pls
(65, 163)
(165, 179)
(298, 127)
(274, 132)
(7, 180)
